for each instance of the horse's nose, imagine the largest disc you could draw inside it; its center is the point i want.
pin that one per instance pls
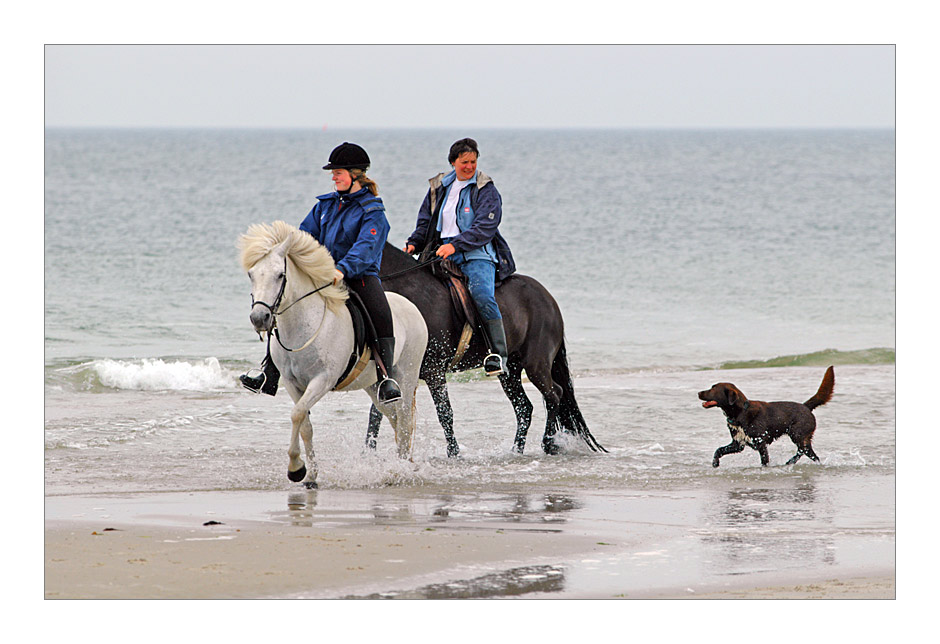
(260, 318)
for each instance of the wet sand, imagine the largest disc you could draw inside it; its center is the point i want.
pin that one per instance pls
(392, 543)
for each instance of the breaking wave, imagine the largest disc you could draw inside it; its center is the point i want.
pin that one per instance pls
(147, 374)
(822, 358)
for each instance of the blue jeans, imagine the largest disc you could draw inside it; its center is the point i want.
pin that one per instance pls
(481, 275)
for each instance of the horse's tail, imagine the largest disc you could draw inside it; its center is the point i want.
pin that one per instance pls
(568, 412)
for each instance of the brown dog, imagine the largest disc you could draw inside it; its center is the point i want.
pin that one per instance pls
(757, 424)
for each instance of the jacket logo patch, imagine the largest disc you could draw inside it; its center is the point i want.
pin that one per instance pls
(373, 231)
(466, 209)
(492, 215)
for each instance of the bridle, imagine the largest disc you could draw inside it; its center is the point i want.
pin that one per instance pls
(274, 312)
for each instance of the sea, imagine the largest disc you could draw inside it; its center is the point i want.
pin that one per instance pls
(679, 258)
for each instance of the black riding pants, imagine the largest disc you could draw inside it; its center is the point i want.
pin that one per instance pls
(370, 291)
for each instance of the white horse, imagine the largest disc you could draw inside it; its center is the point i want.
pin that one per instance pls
(293, 296)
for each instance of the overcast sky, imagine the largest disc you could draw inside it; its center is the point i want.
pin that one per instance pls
(478, 86)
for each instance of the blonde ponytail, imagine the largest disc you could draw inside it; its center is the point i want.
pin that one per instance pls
(364, 181)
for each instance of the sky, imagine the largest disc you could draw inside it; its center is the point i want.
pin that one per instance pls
(480, 86)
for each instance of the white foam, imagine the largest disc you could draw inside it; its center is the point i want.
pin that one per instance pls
(155, 375)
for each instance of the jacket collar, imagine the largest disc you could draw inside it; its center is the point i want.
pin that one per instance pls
(345, 198)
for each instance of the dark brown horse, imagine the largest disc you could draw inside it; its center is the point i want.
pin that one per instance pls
(535, 337)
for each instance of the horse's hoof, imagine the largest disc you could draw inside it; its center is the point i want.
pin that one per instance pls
(453, 451)
(311, 485)
(299, 475)
(551, 449)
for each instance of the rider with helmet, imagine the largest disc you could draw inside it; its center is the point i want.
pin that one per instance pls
(350, 223)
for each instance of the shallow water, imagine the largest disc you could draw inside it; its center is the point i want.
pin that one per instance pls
(652, 424)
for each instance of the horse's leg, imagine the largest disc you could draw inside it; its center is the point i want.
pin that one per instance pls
(540, 375)
(549, 446)
(521, 405)
(296, 470)
(401, 415)
(375, 421)
(306, 433)
(301, 427)
(412, 334)
(437, 385)
(405, 429)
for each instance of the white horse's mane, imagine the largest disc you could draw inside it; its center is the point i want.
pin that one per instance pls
(305, 251)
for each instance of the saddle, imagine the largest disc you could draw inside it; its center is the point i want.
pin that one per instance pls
(463, 304)
(361, 353)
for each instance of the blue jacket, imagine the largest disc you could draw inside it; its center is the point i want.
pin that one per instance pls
(353, 228)
(479, 212)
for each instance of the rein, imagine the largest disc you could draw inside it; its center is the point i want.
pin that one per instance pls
(277, 302)
(304, 295)
(412, 268)
(306, 344)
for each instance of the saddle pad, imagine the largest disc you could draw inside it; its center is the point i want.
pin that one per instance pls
(459, 294)
(361, 354)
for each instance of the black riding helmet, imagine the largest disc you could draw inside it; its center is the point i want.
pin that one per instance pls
(348, 156)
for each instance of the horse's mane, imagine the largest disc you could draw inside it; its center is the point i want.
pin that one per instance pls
(305, 251)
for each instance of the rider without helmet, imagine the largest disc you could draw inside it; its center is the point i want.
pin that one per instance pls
(459, 219)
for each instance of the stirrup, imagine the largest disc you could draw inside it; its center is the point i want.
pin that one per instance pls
(258, 384)
(392, 392)
(488, 364)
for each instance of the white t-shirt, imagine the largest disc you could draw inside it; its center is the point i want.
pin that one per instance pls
(449, 211)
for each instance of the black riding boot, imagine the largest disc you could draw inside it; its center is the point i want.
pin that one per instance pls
(266, 383)
(389, 391)
(495, 363)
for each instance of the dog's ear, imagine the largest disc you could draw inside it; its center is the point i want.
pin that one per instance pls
(732, 397)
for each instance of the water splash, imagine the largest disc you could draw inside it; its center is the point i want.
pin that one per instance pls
(147, 374)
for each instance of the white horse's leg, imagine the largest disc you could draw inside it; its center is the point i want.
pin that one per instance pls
(306, 433)
(401, 416)
(301, 427)
(413, 335)
(405, 427)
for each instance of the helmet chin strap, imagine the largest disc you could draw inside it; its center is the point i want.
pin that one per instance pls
(346, 191)
(353, 187)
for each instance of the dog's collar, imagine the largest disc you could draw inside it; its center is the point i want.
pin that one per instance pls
(747, 403)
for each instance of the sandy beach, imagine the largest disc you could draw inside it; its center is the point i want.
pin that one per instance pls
(148, 562)
(383, 544)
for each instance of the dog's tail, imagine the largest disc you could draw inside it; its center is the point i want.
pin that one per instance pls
(824, 394)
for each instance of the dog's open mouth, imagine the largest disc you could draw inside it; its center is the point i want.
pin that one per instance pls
(709, 403)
